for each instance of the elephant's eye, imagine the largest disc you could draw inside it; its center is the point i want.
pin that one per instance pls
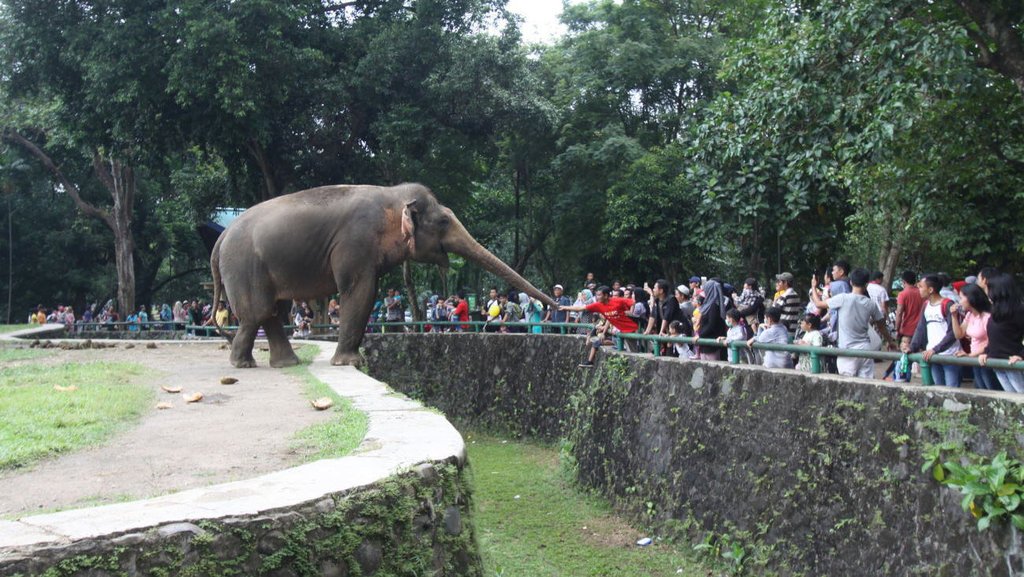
(444, 221)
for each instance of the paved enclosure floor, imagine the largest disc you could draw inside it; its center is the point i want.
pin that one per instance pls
(236, 432)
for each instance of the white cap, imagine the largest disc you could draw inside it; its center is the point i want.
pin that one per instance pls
(558, 286)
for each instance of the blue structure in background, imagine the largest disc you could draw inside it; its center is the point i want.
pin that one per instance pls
(211, 229)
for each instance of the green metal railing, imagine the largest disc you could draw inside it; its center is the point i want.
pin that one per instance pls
(815, 353)
(127, 325)
(734, 357)
(477, 326)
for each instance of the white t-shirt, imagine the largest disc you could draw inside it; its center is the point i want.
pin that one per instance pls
(876, 292)
(937, 327)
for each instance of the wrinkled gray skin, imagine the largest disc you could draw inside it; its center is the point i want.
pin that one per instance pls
(312, 243)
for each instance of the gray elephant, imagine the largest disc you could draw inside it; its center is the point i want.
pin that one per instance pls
(312, 243)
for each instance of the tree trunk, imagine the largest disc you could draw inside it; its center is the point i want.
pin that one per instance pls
(997, 28)
(888, 257)
(410, 289)
(10, 258)
(119, 180)
(515, 219)
(892, 248)
(124, 249)
(272, 188)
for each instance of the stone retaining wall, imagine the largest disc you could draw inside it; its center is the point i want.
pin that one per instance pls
(400, 505)
(813, 475)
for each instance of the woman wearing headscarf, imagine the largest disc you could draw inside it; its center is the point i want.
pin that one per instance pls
(584, 298)
(712, 319)
(531, 312)
(166, 315)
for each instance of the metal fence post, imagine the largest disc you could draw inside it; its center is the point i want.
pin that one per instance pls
(815, 363)
(926, 373)
(734, 354)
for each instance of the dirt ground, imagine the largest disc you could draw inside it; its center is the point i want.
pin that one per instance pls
(237, 431)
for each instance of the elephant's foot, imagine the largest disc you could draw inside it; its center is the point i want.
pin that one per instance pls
(244, 363)
(347, 359)
(284, 360)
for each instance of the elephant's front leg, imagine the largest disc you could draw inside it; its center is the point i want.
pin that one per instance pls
(356, 305)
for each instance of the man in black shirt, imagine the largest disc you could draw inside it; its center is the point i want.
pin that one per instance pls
(665, 310)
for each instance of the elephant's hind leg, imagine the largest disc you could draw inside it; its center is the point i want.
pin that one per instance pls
(241, 346)
(281, 352)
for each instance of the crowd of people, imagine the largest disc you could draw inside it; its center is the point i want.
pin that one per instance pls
(981, 316)
(154, 317)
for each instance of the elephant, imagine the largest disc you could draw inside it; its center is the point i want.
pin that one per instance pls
(312, 243)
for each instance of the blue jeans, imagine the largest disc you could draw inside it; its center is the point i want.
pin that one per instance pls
(1012, 381)
(985, 379)
(948, 375)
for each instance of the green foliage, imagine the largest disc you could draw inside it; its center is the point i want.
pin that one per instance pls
(992, 488)
(723, 548)
(855, 114)
(655, 139)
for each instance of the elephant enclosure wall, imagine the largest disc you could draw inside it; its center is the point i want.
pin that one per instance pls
(819, 475)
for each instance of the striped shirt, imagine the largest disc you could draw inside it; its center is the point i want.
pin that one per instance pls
(792, 310)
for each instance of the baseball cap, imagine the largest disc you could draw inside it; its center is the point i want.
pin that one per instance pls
(695, 279)
(684, 290)
(560, 287)
(786, 276)
(959, 285)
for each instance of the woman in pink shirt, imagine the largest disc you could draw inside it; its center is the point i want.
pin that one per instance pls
(977, 308)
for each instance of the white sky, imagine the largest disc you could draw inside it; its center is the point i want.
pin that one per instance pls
(540, 19)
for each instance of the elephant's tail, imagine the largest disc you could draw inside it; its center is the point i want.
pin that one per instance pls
(218, 288)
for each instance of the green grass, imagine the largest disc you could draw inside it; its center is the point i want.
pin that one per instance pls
(12, 328)
(532, 523)
(8, 355)
(337, 437)
(37, 421)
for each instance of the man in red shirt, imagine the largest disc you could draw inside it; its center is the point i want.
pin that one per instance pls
(614, 310)
(461, 312)
(909, 305)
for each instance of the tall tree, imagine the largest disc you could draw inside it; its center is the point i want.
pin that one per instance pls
(868, 113)
(97, 70)
(633, 77)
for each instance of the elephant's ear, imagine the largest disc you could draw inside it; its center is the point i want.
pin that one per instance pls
(409, 224)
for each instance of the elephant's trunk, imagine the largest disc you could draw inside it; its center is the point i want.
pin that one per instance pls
(459, 241)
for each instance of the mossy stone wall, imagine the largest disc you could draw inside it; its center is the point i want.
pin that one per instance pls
(416, 523)
(816, 475)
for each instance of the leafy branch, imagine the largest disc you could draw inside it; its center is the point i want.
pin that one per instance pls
(992, 489)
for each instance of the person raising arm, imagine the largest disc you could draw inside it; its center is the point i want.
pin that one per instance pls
(614, 310)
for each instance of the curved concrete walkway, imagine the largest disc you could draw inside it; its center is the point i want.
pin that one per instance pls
(402, 434)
